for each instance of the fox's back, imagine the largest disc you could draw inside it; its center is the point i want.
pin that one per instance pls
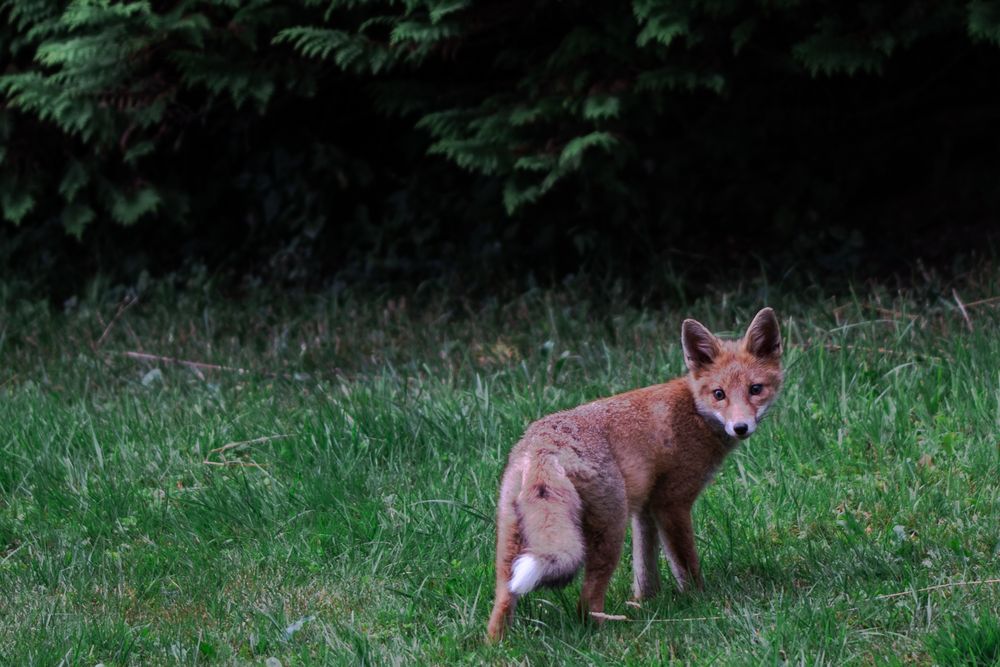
(649, 435)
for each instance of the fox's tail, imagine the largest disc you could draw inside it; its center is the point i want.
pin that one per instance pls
(548, 515)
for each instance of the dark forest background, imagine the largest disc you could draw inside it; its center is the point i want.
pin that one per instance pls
(304, 142)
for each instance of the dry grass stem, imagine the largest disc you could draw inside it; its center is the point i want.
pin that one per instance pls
(961, 308)
(952, 584)
(247, 443)
(125, 305)
(145, 356)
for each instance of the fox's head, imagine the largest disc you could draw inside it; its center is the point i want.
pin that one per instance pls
(734, 382)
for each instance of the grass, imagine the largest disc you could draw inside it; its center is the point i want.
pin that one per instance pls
(361, 530)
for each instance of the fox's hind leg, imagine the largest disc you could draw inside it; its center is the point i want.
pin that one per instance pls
(508, 547)
(645, 568)
(604, 522)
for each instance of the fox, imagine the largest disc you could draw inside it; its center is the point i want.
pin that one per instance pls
(577, 478)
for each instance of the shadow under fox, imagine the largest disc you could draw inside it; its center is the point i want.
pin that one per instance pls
(577, 477)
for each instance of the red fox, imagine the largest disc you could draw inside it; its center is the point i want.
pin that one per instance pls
(576, 477)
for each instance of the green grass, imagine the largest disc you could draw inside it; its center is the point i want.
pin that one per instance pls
(878, 474)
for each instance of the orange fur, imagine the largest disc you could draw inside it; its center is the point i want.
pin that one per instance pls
(575, 477)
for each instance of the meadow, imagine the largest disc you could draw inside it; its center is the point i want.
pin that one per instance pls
(318, 486)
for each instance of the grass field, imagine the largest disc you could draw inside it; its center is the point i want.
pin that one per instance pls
(356, 525)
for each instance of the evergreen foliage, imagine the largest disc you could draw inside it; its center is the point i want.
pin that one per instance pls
(345, 120)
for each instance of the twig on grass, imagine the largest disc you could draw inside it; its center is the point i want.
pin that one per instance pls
(230, 463)
(238, 464)
(621, 617)
(198, 366)
(247, 443)
(887, 596)
(951, 584)
(893, 315)
(10, 553)
(122, 307)
(983, 302)
(608, 617)
(145, 356)
(961, 307)
(836, 347)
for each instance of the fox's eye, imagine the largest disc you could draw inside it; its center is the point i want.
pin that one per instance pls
(719, 394)
(756, 389)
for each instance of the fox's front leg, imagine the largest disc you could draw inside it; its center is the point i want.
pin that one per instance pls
(677, 536)
(645, 565)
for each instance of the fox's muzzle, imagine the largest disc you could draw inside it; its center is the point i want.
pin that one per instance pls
(741, 429)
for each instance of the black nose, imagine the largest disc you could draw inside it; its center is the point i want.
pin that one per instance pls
(741, 428)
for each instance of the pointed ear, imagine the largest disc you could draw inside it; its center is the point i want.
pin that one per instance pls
(763, 339)
(700, 346)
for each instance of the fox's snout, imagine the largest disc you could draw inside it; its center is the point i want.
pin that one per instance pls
(737, 421)
(740, 429)
(740, 421)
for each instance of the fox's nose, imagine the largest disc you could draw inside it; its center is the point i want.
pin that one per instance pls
(741, 428)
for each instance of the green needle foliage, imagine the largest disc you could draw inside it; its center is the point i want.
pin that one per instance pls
(353, 524)
(443, 121)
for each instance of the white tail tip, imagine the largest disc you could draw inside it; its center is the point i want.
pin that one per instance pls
(527, 574)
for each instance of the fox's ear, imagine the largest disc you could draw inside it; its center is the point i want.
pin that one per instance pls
(700, 346)
(763, 339)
